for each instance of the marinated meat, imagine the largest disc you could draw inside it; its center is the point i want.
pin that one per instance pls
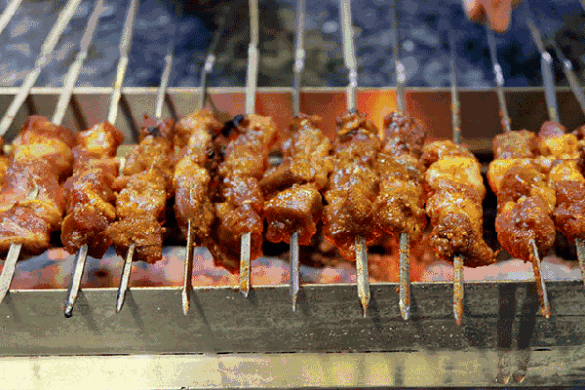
(455, 192)
(89, 194)
(246, 142)
(144, 189)
(401, 199)
(353, 186)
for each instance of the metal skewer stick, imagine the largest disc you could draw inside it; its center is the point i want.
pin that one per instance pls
(43, 58)
(11, 259)
(458, 260)
(546, 65)
(64, 98)
(361, 249)
(506, 122)
(125, 43)
(536, 267)
(251, 82)
(46, 50)
(404, 258)
(189, 257)
(298, 69)
(8, 13)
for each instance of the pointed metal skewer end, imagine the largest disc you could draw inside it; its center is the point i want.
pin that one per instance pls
(8, 270)
(78, 268)
(187, 286)
(294, 269)
(363, 282)
(581, 256)
(404, 300)
(246, 244)
(124, 281)
(540, 285)
(458, 291)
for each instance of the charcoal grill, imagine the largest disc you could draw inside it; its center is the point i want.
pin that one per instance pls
(228, 340)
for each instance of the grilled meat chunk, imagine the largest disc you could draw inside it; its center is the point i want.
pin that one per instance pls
(455, 192)
(239, 210)
(89, 195)
(353, 186)
(401, 199)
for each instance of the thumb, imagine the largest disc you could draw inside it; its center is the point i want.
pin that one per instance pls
(499, 15)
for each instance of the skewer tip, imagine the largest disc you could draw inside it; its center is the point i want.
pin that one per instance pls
(404, 294)
(458, 291)
(540, 285)
(363, 282)
(246, 243)
(294, 269)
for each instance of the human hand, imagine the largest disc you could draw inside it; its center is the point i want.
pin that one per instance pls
(497, 12)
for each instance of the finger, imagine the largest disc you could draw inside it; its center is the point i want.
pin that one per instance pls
(499, 15)
(474, 10)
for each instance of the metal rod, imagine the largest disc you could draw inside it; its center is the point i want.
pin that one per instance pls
(187, 282)
(546, 64)
(125, 43)
(164, 82)
(210, 61)
(581, 256)
(251, 81)
(400, 70)
(8, 14)
(252, 75)
(363, 282)
(294, 269)
(79, 267)
(404, 295)
(455, 104)
(506, 122)
(12, 258)
(299, 64)
(43, 58)
(8, 270)
(458, 290)
(349, 53)
(125, 280)
(458, 260)
(75, 68)
(245, 246)
(540, 285)
(570, 74)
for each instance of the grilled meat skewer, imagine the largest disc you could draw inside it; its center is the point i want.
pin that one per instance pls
(455, 192)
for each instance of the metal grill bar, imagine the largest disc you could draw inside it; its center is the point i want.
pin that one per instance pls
(8, 14)
(125, 44)
(43, 58)
(75, 68)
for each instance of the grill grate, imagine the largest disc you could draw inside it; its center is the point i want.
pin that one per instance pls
(327, 318)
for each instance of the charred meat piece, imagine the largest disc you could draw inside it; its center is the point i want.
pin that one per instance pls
(246, 143)
(144, 190)
(306, 157)
(89, 195)
(455, 192)
(400, 202)
(565, 177)
(353, 186)
(195, 174)
(526, 202)
(294, 202)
